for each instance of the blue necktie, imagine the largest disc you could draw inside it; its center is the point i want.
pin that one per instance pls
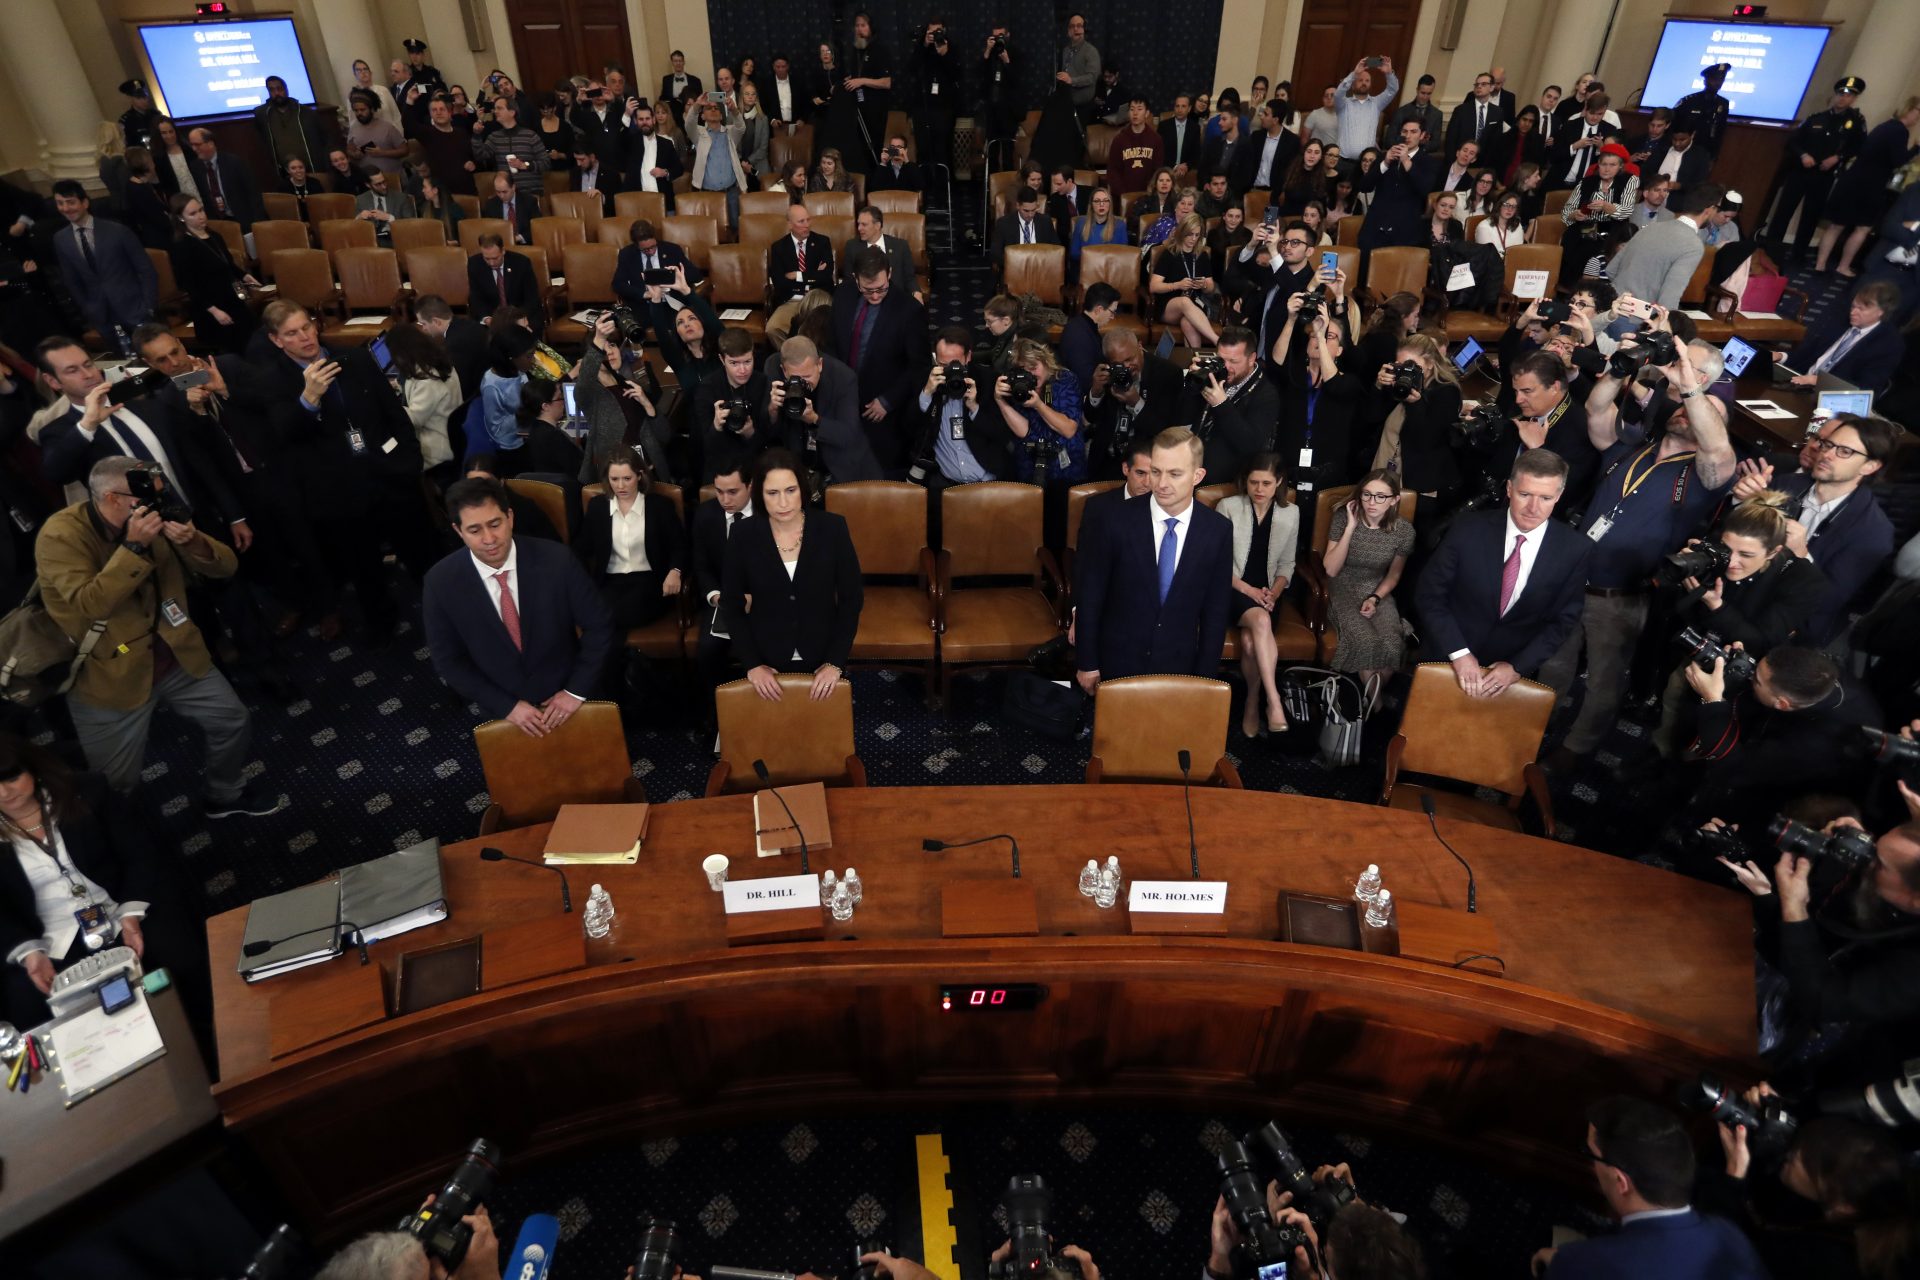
(1838, 351)
(1169, 556)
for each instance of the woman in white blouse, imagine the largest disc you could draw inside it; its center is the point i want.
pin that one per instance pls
(1502, 228)
(632, 545)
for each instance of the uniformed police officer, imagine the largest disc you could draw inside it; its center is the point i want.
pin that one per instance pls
(1708, 108)
(136, 123)
(421, 73)
(1816, 151)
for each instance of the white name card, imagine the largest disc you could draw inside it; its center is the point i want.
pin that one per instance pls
(775, 893)
(1529, 284)
(1191, 897)
(1461, 277)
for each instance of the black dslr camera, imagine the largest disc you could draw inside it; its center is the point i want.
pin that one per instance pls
(739, 413)
(953, 380)
(1205, 366)
(1482, 426)
(1652, 347)
(1318, 1200)
(1849, 846)
(149, 487)
(1265, 1246)
(1719, 842)
(438, 1226)
(798, 394)
(629, 326)
(1020, 385)
(1770, 1129)
(659, 1251)
(1706, 648)
(1312, 301)
(1119, 376)
(1028, 1203)
(1407, 377)
(1702, 561)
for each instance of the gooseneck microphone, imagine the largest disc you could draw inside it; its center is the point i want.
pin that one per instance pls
(1473, 894)
(935, 846)
(265, 945)
(760, 771)
(490, 854)
(1186, 794)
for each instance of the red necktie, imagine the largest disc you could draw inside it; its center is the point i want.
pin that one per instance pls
(1510, 575)
(509, 611)
(500, 283)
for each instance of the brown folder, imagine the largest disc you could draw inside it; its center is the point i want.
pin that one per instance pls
(774, 832)
(597, 833)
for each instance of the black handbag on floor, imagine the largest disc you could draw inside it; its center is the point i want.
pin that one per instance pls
(1048, 709)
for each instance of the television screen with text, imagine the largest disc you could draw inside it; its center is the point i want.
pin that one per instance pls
(221, 68)
(1771, 65)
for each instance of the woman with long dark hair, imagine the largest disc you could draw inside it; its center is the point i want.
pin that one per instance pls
(1305, 180)
(431, 392)
(1522, 144)
(1265, 529)
(172, 162)
(216, 287)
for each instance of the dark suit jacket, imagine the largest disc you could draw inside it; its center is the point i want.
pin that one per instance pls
(667, 94)
(1006, 231)
(627, 281)
(814, 614)
(1217, 159)
(1851, 546)
(666, 540)
(1560, 154)
(244, 205)
(121, 288)
(708, 550)
(607, 182)
(894, 356)
(1696, 162)
(1164, 407)
(469, 643)
(104, 842)
(66, 457)
(319, 446)
(1398, 214)
(467, 349)
(1681, 1247)
(844, 447)
(524, 212)
(1239, 428)
(666, 156)
(783, 261)
(1459, 594)
(483, 297)
(1460, 126)
(1869, 363)
(1194, 151)
(885, 179)
(1124, 629)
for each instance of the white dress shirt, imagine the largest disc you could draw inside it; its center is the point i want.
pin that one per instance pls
(1814, 513)
(629, 537)
(649, 152)
(1670, 163)
(51, 879)
(509, 568)
(1851, 338)
(1529, 552)
(1264, 176)
(783, 90)
(1184, 522)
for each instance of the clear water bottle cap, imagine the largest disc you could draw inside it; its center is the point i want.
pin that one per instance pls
(598, 889)
(1386, 896)
(850, 873)
(1373, 869)
(1113, 859)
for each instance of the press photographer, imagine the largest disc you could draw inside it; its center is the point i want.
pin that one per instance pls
(1134, 395)
(449, 1237)
(956, 443)
(936, 68)
(728, 414)
(1029, 1249)
(1304, 1227)
(1408, 413)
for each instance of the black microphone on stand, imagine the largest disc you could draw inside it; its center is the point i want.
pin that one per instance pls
(760, 770)
(1186, 793)
(265, 945)
(1473, 896)
(491, 854)
(935, 846)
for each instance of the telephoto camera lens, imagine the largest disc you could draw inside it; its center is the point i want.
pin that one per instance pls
(1319, 1201)
(659, 1250)
(1481, 427)
(1029, 1204)
(1891, 748)
(1407, 377)
(438, 1226)
(1706, 648)
(1850, 846)
(795, 405)
(953, 378)
(1262, 1241)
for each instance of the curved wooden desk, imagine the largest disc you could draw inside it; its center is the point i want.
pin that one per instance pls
(1619, 976)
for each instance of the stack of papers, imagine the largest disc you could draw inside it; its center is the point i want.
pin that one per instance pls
(95, 1048)
(302, 924)
(1765, 409)
(390, 896)
(596, 834)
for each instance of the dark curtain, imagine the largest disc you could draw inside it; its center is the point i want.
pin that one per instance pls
(1157, 57)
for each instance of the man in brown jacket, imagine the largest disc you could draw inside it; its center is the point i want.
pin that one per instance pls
(113, 558)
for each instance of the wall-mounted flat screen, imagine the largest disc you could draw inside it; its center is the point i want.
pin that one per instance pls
(221, 68)
(1772, 64)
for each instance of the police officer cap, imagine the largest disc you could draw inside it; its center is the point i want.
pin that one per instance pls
(135, 89)
(1717, 69)
(1850, 84)
(414, 46)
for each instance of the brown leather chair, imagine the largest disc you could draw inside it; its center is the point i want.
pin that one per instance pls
(272, 234)
(1127, 202)
(1397, 269)
(1099, 139)
(762, 229)
(838, 230)
(469, 205)
(1141, 724)
(552, 501)
(887, 520)
(1077, 498)
(1471, 224)
(306, 276)
(798, 739)
(1038, 269)
(1485, 328)
(584, 761)
(1210, 495)
(369, 290)
(829, 203)
(784, 150)
(1255, 202)
(895, 202)
(706, 204)
(1349, 260)
(1347, 232)
(588, 269)
(1485, 742)
(1000, 188)
(991, 533)
(441, 270)
(739, 279)
(695, 235)
(615, 231)
(1119, 266)
(280, 207)
(773, 202)
(328, 206)
(665, 638)
(344, 233)
(471, 229)
(555, 234)
(408, 234)
(911, 227)
(651, 205)
(583, 206)
(236, 239)
(1548, 228)
(172, 300)
(553, 182)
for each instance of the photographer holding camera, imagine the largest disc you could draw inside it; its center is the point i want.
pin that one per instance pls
(619, 398)
(964, 446)
(815, 402)
(1409, 410)
(1317, 1227)
(728, 413)
(1132, 397)
(937, 70)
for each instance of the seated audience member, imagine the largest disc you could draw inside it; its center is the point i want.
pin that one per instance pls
(1506, 589)
(1226, 240)
(1502, 227)
(1367, 549)
(815, 399)
(1444, 227)
(1656, 264)
(805, 591)
(1025, 225)
(1122, 419)
(800, 263)
(1643, 1160)
(381, 203)
(513, 624)
(300, 184)
(1834, 518)
(1152, 586)
(1181, 279)
(830, 173)
(511, 206)
(632, 545)
(645, 251)
(1101, 224)
(1079, 344)
(1050, 445)
(1865, 351)
(1410, 419)
(619, 396)
(1319, 405)
(870, 232)
(966, 446)
(343, 175)
(881, 333)
(79, 851)
(1180, 141)
(1457, 177)
(1599, 215)
(1266, 529)
(105, 266)
(1653, 203)
(548, 450)
(895, 172)
(497, 278)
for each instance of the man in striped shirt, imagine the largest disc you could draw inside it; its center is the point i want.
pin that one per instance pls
(513, 149)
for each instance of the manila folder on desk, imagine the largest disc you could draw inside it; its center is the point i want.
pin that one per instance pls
(596, 833)
(301, 922)
(391, 895)
(773, 831)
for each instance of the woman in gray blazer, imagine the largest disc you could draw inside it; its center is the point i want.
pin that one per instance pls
(1265, 529)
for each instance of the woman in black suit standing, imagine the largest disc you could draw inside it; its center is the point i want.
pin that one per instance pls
(203, 266)
(799, 569)
(631, 544)
(77, 874)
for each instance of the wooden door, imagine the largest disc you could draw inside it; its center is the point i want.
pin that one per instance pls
(1335, 34)
(554, 39)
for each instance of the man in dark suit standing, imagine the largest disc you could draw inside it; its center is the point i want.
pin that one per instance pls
(1403, 178)
(882, 335)
(593, 177)
(1478, 118)
(105, 266)
(1576, 146)
(1182, 141)
(1236, 415)
(713, 524)
(496, 278)
(675, 85)
(1677, 158)
(1506, 588)
(652, 161)
(1153, 586)
(514, 626)
(1025, 225)
(510, 206)
(1865, 351)
(224, 182)
(464, 339)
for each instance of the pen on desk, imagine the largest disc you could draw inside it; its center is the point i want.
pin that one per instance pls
(13, 1079)
(39, 1056)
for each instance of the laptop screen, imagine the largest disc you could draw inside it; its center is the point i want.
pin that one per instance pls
(1736, 355)
(1856, 402)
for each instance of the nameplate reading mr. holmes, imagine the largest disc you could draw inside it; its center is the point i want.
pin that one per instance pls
(1193, 897)
(775, 893)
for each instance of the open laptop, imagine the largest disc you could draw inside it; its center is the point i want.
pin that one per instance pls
(1851, 401)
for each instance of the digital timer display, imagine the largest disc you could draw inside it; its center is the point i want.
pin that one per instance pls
(996, 996)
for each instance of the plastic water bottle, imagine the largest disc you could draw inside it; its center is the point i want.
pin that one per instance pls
(598, 916)
(855, 889)
(1367, 887)
(1108, 890)
(827, 883)
(1380, 910)
(1090, 878)
(842, 903)
(1113, 865)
